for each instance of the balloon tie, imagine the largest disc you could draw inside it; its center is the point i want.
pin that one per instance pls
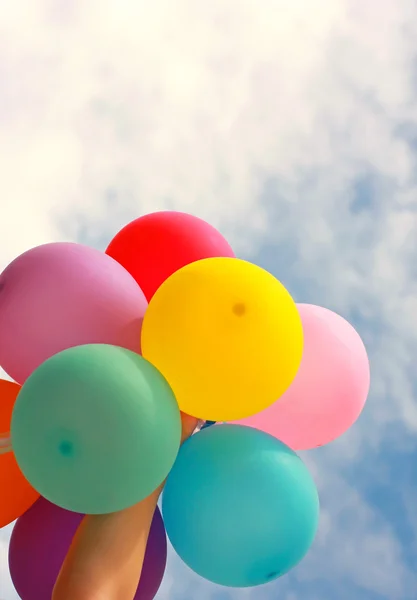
(5, 443)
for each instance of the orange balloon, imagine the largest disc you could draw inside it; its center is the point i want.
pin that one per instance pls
(16, 494)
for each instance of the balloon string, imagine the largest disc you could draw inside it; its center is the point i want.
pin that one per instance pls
(5, 443)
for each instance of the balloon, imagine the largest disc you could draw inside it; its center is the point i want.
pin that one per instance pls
(41, 539)
(61, 295)
(16, 495)
(226, 335)
(240, 508)
(96, 429)
(154, 246)
(330, 389)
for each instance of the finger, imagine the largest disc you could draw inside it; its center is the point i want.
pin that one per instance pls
(189, 424)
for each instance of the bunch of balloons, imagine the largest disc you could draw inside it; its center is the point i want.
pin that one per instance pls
(107, 349)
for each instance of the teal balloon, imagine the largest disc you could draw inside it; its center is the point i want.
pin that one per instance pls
(95, 429)
(240, 507)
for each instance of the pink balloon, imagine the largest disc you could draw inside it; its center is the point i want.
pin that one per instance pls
(330, 389)
(61, 295)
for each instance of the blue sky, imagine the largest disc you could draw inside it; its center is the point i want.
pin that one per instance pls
(292, 127)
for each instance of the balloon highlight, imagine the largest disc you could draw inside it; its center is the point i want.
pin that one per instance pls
(235, 343)
(96, 429)
(40, 542)
(108, 386)
(62, 295)
(17, 495)
(329, 390)
(240, 508)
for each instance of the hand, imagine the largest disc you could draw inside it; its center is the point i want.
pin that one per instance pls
(188, 426)
(106, 556)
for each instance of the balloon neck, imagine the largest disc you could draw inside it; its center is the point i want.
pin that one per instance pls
(208, 424)
(5, 443)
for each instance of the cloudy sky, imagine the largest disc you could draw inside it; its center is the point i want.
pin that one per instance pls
(292, 126)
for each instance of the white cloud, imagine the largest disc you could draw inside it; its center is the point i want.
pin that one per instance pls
(115, 108)
(7, 591)
(357, 544)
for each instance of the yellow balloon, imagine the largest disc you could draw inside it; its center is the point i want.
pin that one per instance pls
(226, 335)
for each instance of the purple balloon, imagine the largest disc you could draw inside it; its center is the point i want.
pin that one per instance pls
(61, 295)
(40, 541)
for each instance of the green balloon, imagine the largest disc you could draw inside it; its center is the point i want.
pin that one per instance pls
(96, 429)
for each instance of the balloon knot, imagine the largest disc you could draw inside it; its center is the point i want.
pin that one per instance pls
(239, 309)
(66, 448)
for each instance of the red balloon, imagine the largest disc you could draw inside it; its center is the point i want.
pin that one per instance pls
(154, 246)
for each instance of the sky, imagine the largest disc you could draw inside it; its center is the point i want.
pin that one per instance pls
(290, 126)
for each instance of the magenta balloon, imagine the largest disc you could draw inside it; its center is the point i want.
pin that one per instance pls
(61, 295)
(40, 541)
(329, 390)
